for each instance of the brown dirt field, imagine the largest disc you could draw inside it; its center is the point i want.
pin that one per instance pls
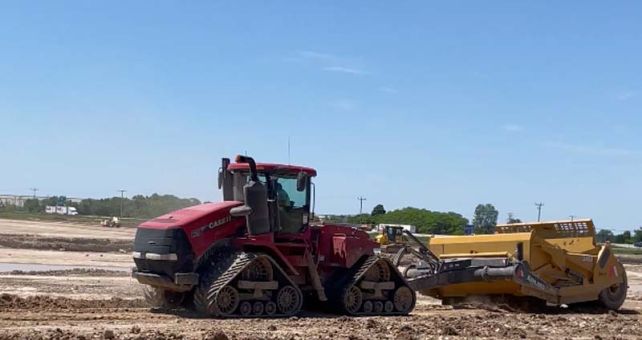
(85, 303)
(66, 243)
(63, 318)
(64, 229)
(66, 258)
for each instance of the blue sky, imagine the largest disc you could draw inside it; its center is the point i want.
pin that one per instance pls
(433, 105)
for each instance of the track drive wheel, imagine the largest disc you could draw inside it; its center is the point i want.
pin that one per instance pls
(259, 270)
(613, 297)
(380, 271)
(161, 298)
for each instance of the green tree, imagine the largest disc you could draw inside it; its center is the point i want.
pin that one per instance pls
(362, 219)
(624, 237)
(512, 219)
(637, 235)
(32, 205)
(485, 218)
(426, 221)
(378, 210)
(604, 235)
(138, 206)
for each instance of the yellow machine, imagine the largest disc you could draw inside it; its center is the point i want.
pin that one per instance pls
(556, 262)
(391, 238)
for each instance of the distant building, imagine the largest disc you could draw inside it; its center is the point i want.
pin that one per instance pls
(19, 200)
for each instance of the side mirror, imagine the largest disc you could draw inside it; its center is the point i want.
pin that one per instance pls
(222, 170)
(241, 211)
(301, 181)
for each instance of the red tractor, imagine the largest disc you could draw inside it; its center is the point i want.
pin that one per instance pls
(256, 254)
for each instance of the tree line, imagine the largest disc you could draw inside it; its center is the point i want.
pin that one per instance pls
(428, 221)
(625, 237)
(138, 206)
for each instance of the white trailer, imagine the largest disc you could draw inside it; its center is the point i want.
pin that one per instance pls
(411, 228)
(50, 209)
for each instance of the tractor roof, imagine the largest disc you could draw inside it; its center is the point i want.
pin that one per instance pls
(273, 167)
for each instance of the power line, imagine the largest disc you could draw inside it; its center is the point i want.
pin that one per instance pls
(539, 210)
(361, 199)
(122, 198)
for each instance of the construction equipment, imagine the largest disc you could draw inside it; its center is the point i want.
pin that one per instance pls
(391, 239)
(256, 255)
(545, 262)
(113, 222)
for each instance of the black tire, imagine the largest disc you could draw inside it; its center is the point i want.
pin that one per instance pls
(613, 297)
(161, 298)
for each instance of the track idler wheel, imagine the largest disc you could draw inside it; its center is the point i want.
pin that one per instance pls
(227, 300)
(352, 299)
(289, 300)
(404, 300)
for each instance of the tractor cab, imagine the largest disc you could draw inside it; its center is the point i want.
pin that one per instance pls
(276, 197)
(390, 234)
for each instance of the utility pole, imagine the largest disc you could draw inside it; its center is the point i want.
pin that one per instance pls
(539, 210)
(572, 217)
(122, 199)
(361, 199)
(289, 150)
(34, 192)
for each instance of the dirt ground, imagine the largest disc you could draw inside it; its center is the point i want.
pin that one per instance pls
(58, 294)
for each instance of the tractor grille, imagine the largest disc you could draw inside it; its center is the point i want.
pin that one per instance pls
(162, 242)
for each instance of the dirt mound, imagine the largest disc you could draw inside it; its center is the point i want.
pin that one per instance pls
(73, 272)
(65, 243)
(44, 303)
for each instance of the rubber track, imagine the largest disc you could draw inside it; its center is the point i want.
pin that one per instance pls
(242, 261)
(358, 275)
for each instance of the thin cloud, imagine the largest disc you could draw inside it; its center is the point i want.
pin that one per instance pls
(327, 62)
(317, 56)
(344, 105)
(386, 89)
(626, 95)
(342, 69)
(512, 128)
(592, 150)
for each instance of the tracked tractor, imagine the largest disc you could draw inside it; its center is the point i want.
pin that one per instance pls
(524, 264)
(255, 254)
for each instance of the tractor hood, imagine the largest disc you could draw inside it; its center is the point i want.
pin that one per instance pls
(185, 217)
(191, 229)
